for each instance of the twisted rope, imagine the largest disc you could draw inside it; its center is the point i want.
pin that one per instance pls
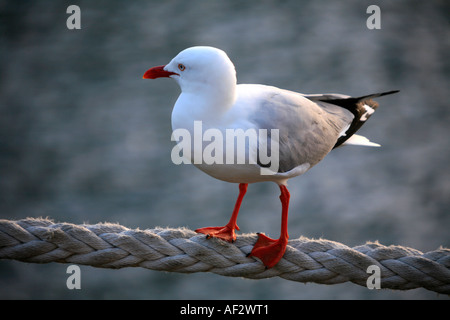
(107, 245)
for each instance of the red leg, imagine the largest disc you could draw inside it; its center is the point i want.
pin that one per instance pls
(227, 232)
(270, 251)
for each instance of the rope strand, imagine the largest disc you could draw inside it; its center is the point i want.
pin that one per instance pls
(107, 245)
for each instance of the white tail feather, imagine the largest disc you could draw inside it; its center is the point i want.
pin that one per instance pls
(357, 140)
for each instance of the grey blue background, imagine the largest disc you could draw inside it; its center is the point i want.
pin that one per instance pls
(84, 139)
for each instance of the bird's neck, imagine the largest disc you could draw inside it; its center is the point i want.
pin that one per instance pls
(207, 104)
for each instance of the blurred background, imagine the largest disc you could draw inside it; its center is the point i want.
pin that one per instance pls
(83, 139)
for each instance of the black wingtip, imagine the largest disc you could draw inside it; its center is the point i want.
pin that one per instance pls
(355, 106)
(375, 95)
(389, 92)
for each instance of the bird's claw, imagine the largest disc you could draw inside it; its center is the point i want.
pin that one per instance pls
(225, 233)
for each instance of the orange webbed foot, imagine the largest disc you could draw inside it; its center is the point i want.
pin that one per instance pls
(268, 250)
(225, 233)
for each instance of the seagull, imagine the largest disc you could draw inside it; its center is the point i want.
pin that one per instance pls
(301, 129)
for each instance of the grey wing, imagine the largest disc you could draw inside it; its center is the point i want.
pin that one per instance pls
(325, 96)
(307, 130)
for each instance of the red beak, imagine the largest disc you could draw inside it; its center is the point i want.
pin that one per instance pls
(157, 72)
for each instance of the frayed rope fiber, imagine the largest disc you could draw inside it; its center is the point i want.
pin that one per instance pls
(107, 245)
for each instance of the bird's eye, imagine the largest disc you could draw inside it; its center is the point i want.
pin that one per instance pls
(181, 67)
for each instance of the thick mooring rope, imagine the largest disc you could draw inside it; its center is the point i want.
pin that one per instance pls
(109, 245)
